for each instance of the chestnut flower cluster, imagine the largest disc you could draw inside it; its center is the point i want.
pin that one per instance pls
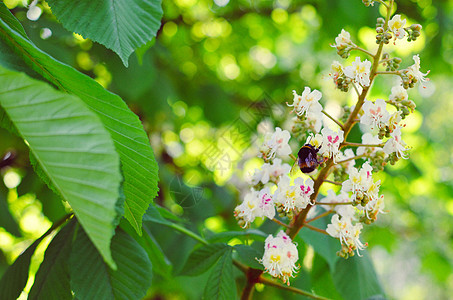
(275, 191)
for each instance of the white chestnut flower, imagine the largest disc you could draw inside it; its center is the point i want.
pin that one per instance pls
(396, 144)
(255, 204)
(369, 139)
(331, 142)
(270, 172)
(414, 71)
(276, 143)
(375, 114)
(398, 93)
(280, 256)
(348, 234)
(359, 71)
(307, 103)
(396, 25)
(293, 196)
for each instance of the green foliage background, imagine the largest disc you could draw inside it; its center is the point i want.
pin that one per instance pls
(208, 65)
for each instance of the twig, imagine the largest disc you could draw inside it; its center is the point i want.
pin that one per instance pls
(364, 51)
(345, 144)
(351, 158)
(356, 89)
(316, 229)
(273, 283)
(332, 182)
(383, 3)
(333, 203)
(333, 119)
(326, 213)
(389, 72)
(280, 223)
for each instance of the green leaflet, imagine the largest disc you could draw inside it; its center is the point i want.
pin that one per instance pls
(355, 278)
(221, 283)
(52, 278)
(120, 25)
(138, 164)
(91, 278)
(72, 148)
(201, 259)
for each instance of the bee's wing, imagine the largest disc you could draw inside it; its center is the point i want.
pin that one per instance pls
(310, 161)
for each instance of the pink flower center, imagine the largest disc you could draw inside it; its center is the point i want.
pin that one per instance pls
(332, 140)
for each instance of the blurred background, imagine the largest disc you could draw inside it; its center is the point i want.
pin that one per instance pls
(215, 78)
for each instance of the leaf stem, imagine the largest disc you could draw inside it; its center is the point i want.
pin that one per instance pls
(188, 233)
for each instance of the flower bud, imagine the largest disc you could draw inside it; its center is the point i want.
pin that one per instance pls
(416, 27)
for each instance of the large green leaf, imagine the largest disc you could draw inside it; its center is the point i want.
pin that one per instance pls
(249, 256)
(221, 283)
(120, 25)
(355, 278)
(52, 279)
(161, 264)
(16, 276)
(71, 146)
(201, 259)
(7, 221)
(325, 246)
(91, 278)
(138, 164)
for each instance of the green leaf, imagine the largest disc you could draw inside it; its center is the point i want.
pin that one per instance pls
(7, 221)
(91, 278)
(154, 215)
(249, 256)
(355, 278)
(221, 284)
(16, 276)
(138, 164)
(120, 25)
(72, 148)
(52, 278)
(201, 259)
(325, 246)
(161, 264)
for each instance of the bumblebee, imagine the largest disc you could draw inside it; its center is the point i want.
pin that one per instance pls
(307, 158)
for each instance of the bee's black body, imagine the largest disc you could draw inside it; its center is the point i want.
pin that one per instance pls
(308, 161)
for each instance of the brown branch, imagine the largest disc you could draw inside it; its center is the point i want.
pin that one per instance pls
(280, 223)
(333, 203)
(348, 144)
(349, 159)
(316, 229)
(333, 182)
(326, 213)
(274, 283)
